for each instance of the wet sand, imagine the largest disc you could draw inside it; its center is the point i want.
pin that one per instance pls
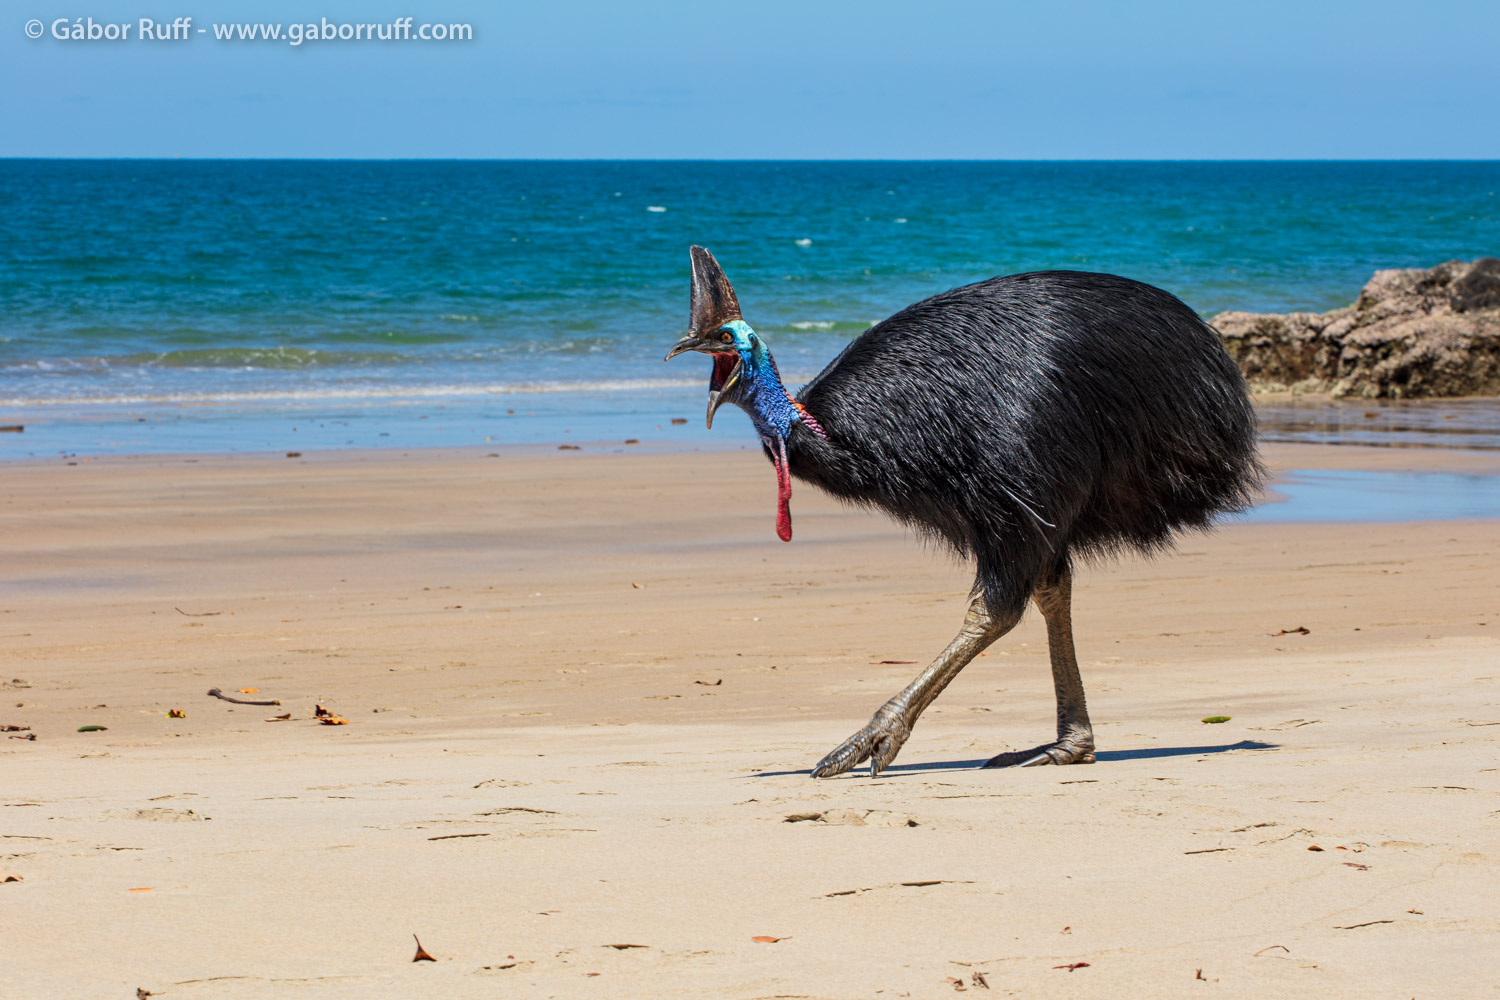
(1468, 423)
(583, 692)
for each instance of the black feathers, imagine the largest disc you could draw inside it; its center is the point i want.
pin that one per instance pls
(1033, 419)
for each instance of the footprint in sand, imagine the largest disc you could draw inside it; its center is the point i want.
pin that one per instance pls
(853, 817)
(159, 814)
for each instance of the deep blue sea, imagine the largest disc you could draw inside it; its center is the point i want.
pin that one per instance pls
(153, 305)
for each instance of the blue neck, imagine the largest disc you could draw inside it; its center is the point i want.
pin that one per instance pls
(764, 396)
(771, 409)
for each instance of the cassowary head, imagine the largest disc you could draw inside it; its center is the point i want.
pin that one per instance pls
(744, 372)
(716, 328)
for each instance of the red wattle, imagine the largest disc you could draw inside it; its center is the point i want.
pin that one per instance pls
(783, 492)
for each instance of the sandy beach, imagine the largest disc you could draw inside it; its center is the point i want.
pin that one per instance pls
(582, 694)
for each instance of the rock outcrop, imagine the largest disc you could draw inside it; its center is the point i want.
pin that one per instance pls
(1411, 333)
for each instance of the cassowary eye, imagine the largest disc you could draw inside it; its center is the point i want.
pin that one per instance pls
(727, 337)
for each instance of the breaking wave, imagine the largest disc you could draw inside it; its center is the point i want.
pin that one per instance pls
(365, 392)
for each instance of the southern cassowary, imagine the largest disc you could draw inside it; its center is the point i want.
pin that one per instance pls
(1027, 421)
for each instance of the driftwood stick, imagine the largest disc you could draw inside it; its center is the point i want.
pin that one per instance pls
(216, 693)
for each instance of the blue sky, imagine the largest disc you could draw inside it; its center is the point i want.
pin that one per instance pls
(771, 79)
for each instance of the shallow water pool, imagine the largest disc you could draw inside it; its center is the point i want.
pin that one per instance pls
(1354, 495)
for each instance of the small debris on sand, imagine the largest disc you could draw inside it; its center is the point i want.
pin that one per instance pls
(216, 693)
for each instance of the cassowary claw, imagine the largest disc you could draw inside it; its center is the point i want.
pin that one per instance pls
(878, 742)
(1075, 748)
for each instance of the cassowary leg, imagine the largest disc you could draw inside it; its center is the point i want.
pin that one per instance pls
(1075, 737)
(881, 740)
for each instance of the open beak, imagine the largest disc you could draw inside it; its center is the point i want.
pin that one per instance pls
(724, 384)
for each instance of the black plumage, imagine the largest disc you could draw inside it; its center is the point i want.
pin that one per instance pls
(1026, 421)
(1033, 419)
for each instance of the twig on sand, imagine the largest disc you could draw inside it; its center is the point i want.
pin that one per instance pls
(216, 693)
(197, 614)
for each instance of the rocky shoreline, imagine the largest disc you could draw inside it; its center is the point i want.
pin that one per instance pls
(1412, 333)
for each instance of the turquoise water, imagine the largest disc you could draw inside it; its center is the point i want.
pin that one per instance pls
(150, 306)
(1306, 495)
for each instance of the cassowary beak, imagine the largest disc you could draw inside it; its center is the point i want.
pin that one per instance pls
(726, 390)
(724, 383)
(691, 342)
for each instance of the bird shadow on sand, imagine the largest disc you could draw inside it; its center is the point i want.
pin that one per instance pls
(1101, 757)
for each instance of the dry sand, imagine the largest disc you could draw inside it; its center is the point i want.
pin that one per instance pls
(583, 691)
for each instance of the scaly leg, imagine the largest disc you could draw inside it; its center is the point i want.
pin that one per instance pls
(881, 740)
(1075, 737)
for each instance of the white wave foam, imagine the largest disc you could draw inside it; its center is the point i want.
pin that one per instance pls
(813, 324)
(387, 393)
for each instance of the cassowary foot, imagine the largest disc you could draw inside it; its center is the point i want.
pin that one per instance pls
(878, 742)
(1075, 748)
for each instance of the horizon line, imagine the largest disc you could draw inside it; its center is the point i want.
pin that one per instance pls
(669, 159)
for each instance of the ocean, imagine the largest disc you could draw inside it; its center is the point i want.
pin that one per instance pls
(151, 306)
